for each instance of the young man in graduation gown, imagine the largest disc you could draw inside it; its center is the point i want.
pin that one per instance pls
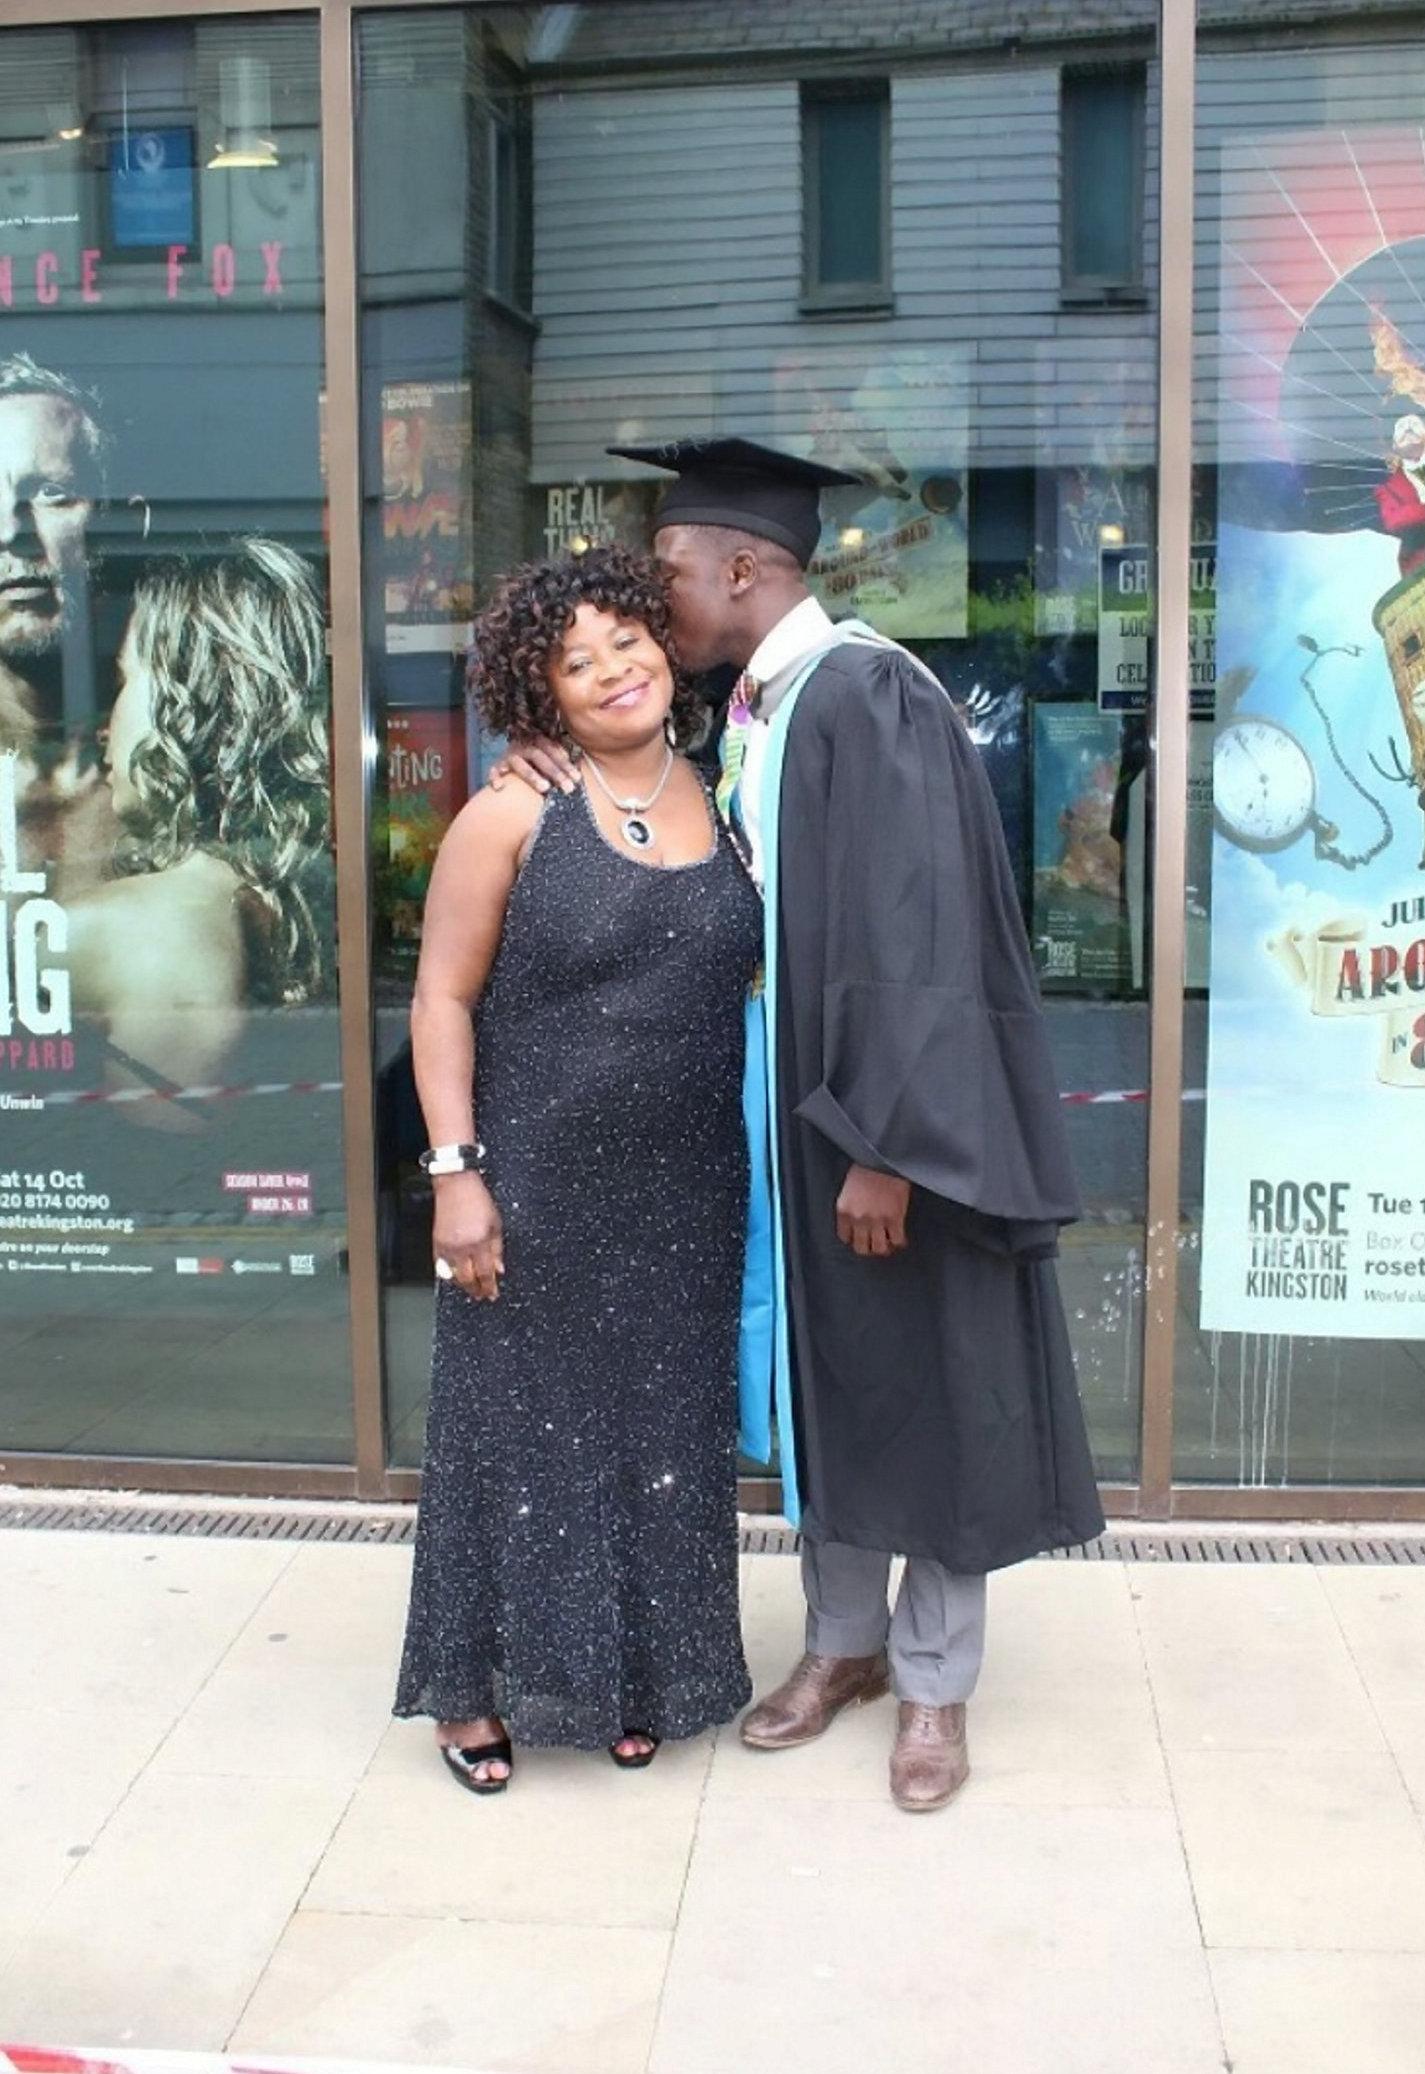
(922, 1375)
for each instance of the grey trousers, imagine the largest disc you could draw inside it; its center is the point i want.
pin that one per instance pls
(935, 1638)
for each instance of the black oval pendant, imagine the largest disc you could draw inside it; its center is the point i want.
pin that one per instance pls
(636, 833)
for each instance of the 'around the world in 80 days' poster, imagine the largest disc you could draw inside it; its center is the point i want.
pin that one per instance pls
(1314, 1215)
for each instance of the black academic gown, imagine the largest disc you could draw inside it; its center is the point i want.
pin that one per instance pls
(938, 1413)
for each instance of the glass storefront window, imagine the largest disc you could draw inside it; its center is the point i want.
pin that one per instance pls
(932, 261)
(172, 1216)
(601, 225)
(1301, 1354)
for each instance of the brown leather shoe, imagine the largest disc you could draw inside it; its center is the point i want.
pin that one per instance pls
(931, 1758)
(810, 1700)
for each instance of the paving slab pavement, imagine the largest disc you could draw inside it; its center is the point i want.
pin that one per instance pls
(1194, 1839)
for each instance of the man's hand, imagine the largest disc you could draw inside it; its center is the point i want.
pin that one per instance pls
(539, 764)
(871, 1212)
(469, 1234)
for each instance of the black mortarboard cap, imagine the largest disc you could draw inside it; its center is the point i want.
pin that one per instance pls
(737, 483)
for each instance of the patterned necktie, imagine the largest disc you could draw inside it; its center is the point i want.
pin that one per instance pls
(741, 712)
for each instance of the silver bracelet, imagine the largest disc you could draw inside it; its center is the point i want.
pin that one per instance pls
(453, 1159)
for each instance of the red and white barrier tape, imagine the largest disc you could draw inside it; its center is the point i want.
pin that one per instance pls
(1086, 1098)
(1078, 1098)
(42, 2059)
(84, 1096)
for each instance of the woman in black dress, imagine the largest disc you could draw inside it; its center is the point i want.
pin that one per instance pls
(576, 1559)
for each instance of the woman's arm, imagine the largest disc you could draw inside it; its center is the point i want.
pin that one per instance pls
(464, 917)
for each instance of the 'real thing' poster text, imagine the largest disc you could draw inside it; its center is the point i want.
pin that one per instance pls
(36, 1004)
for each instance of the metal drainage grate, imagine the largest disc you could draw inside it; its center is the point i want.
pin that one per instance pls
(393, 1525)
(1145, 1545)
(1239, 1546)
(215, 1522)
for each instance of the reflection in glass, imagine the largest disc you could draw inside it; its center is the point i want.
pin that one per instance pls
(689, 221)
(846, 156)
(1102, 115)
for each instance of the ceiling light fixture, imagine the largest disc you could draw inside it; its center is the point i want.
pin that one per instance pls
(245, 115)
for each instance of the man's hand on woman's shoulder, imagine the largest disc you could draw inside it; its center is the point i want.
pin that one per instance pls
(538, 763)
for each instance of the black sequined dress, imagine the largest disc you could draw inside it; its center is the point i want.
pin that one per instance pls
(576, 1555)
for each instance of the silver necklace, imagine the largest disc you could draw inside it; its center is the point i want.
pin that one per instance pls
(634, 828)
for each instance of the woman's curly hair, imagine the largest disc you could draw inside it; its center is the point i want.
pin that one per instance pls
(518, 633)
(237, 762)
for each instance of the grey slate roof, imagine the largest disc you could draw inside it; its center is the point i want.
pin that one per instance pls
(609, 31)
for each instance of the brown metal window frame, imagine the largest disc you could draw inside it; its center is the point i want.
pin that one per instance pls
(1155, 1495)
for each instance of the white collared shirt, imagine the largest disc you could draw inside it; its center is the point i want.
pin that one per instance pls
(798, 634)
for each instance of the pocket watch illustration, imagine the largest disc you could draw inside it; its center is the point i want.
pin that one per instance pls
(1264, 785)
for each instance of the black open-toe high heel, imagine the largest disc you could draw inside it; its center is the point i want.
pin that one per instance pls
(465, 1763)
(640, 1759)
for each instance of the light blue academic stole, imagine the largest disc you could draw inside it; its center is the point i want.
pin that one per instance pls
(764, 1352)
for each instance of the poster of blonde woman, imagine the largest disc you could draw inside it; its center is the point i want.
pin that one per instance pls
(216, 755)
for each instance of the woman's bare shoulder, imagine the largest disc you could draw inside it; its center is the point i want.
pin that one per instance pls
(156, 928)
(494, 823)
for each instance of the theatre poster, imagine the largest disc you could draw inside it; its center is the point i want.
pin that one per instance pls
(1314, 1188)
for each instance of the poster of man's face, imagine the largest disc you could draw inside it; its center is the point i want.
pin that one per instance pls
(48, 490)
(56, 639)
